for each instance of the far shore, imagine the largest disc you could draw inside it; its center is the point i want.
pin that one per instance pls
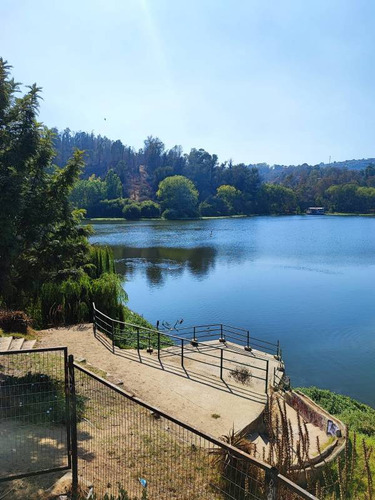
(122, 219)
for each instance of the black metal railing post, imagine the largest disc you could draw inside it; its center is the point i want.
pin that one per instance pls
(222, 334)
(138, 343)
(159, 345)
(113, 337)
(267, 369)
(221, 363)
(247, 347)
(73, 427)
(150, 349)
(194, 341)
(182, 353)
(278, 356)
(94, 321)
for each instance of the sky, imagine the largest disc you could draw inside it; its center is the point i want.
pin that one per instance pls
(279, 81)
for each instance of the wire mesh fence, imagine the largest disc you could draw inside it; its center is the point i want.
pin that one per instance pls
(124, 442)
(34, 412)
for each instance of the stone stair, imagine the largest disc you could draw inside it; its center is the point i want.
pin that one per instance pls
(15, 344)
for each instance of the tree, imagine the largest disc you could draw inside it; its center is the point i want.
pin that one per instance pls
(231, 198)
(41, 238)
(275, 199)
(113, 184)
(132, 211)
(212, 207)
(150, 209)
(88, 194)
(200, 168)
(178, 195)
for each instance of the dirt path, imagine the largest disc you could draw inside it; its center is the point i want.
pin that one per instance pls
(194, 395)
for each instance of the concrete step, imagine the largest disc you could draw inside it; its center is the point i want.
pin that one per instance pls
(5, 343)
(16, 345)
(28, 344)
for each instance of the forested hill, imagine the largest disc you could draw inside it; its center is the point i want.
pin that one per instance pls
(115, 171)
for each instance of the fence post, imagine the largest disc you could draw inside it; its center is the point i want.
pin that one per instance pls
(150, 349)
(113, 336)
(267, 368)
(222, 335)
(73, 427)
(182, 353)
(271, 483)
(221, 363)
(138, 345)
(194, 341)
(94, 321)
(247, 347)
(159, 345)
(278, 350)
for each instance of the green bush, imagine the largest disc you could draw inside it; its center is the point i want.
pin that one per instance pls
(170, 214)
(132, 211)
(359, 416)
(150, 209)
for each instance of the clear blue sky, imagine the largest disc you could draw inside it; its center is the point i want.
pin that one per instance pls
(275, 81)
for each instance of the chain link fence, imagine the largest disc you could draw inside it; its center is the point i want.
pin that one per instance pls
(34, 413)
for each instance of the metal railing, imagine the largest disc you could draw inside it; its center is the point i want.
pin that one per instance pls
(225, 333)
(223, 356)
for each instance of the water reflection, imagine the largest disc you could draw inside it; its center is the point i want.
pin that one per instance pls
(156, 263)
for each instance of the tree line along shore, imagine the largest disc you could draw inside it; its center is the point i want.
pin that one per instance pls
(118, 181)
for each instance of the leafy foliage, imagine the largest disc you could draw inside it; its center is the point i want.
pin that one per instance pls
(47, 266)
(359, 416)
(178, 197)
(140, 173)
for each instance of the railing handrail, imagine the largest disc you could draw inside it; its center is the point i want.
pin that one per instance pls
(175, 337)
(192, 329)
(236, 330)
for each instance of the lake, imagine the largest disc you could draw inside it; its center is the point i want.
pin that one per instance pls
(308, 281)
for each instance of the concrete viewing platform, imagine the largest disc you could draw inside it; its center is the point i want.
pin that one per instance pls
(197, 392)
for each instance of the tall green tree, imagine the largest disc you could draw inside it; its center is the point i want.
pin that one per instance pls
(274, 199)
(178, 197)
(114, 186)
(231, 198)
(41, 238)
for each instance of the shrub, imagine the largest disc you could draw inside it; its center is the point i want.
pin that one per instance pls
(150, 209)
(170, 214)
(359, 416)
(14, 321)
(132, 212)
(242, 375)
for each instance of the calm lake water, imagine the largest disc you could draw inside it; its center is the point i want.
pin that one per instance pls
(306, 280)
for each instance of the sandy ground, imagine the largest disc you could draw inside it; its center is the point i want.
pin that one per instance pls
(28, 448)
(192, 394)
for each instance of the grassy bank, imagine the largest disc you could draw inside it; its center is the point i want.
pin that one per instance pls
(360, 419)
(350, 214)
